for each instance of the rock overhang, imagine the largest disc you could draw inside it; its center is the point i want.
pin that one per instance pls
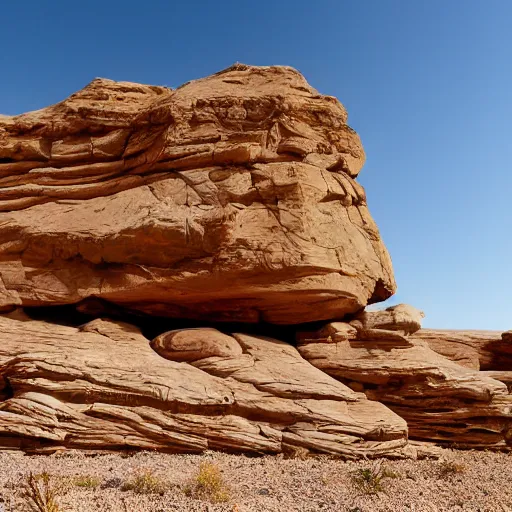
(232, 197)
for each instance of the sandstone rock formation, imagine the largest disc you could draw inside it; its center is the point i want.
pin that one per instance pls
(101, 386)
(481, 350)
(229, 201)
(156, 199)
(402, 318)
(441, 400)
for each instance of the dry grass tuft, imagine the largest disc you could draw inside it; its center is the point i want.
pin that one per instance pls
(208, 485)
(451, 467)
(370, 480)
(40, 493)
(145, 482)
(86, 481)
(295, 452)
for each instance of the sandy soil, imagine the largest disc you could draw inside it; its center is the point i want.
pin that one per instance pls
(476, 481)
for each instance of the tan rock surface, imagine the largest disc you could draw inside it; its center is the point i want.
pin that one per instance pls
(101, 386)
(402, 318)
(441, 400)
(502, 376)
(157, 199)
(192, 344)
(480, 350)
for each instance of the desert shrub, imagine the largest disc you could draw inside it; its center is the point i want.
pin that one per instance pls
(370, 480)
(451, 467)
(86, 481)
(208, 484)
(295, 452)
(40, 493)
(145, 482)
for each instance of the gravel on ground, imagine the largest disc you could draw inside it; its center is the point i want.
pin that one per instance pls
(460, 480)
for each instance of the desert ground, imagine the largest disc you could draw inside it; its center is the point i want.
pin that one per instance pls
(215, 482)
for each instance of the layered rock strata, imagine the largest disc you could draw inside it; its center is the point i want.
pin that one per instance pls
(480, 350)
(233, 197)
(102, 386)
(441, 400)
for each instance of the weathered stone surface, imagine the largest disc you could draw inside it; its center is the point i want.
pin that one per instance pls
(403, 318)
(101, 386)
(231, 198)
(507, 336)
(194, 344)
(440, 400)
(502, 376)
(480, 350)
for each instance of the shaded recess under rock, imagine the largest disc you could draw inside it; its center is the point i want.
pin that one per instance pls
(155, 243)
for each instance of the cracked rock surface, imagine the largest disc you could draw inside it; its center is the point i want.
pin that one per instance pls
(155, 199)
(230, 201)
(441, 400)
(102, 386)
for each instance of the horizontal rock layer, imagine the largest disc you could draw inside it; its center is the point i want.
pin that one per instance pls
(441, 400)
(348, 389)
(102, 386)
(156, 199)
(480, 350)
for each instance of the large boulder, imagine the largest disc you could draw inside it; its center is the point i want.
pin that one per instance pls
(233, 197)
(402, 318)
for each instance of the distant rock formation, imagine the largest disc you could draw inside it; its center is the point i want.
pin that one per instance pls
(232, 204)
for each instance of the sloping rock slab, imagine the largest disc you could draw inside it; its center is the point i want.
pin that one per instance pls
(102, 386)
(480, 350)
(441, 400)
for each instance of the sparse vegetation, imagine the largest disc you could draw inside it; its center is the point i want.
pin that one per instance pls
(295, 452)
(208, 485)
(370, 480)
(326, 479)
(86, 481)
(145, 482)
(451, 467)
(320, 483)
(40, 493)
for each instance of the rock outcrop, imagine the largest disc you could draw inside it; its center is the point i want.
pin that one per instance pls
(101, 386)
(441, 400)
(155, 199)
(401, 318)
(480, 350)
(229, 201)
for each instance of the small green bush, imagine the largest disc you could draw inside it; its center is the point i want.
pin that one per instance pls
(86, 481)
(370, 480)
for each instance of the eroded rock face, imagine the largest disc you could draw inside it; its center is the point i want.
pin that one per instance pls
(480, 350)
(441, 400)
(402, 318)
(231, 198)
(102, 386)
(348, 389)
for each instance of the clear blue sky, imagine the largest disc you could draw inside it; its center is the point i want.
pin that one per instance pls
(428, 85)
